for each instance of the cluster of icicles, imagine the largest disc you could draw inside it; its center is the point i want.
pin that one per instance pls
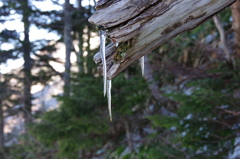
(107, 84)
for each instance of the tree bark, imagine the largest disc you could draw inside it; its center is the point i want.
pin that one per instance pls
(68, 45)
(140, 26)
(236, 25)
(27, 66)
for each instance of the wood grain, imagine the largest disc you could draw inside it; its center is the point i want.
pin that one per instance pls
(144, 25)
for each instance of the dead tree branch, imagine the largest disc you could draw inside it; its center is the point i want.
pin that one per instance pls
(140, 26)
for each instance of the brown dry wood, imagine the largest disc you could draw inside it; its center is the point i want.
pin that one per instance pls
(139, 26)
(236, 25)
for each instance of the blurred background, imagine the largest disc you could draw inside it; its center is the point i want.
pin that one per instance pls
(187, 105)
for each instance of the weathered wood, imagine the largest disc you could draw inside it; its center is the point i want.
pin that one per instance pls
(116, 12)
(139, 26)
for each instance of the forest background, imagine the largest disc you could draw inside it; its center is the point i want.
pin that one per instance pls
(187, 105)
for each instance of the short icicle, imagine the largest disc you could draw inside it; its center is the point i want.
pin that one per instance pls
(142, 64)
(103, 56)
(109, 87)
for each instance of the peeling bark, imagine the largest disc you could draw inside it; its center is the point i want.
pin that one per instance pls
(140, 26)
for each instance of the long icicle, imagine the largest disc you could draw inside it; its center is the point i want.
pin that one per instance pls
(142, 64)
(103, 56)
(109, 87)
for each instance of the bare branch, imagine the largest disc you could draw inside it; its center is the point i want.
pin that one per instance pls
(222, 36)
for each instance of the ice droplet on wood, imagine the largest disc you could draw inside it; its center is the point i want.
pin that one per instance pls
(103, 54)
(142, 64)
(109, 87)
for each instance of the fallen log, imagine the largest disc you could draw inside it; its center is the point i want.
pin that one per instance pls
(139, 26)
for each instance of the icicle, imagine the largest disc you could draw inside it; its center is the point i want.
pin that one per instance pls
(102, 50)
(142, 64)
(109, 86)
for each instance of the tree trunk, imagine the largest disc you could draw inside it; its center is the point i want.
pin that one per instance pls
(140, 26)
(80, 40)
(236, 25)
(68, 45)
(1, 128)
(154, 88)
(27, 63)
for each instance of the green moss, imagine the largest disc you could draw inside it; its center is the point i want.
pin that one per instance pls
(122, 51)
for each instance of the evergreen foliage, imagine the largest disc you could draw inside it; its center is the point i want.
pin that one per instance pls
(82, 121)
(206, 124)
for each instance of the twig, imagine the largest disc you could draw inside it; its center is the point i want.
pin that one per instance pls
(223, 39)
